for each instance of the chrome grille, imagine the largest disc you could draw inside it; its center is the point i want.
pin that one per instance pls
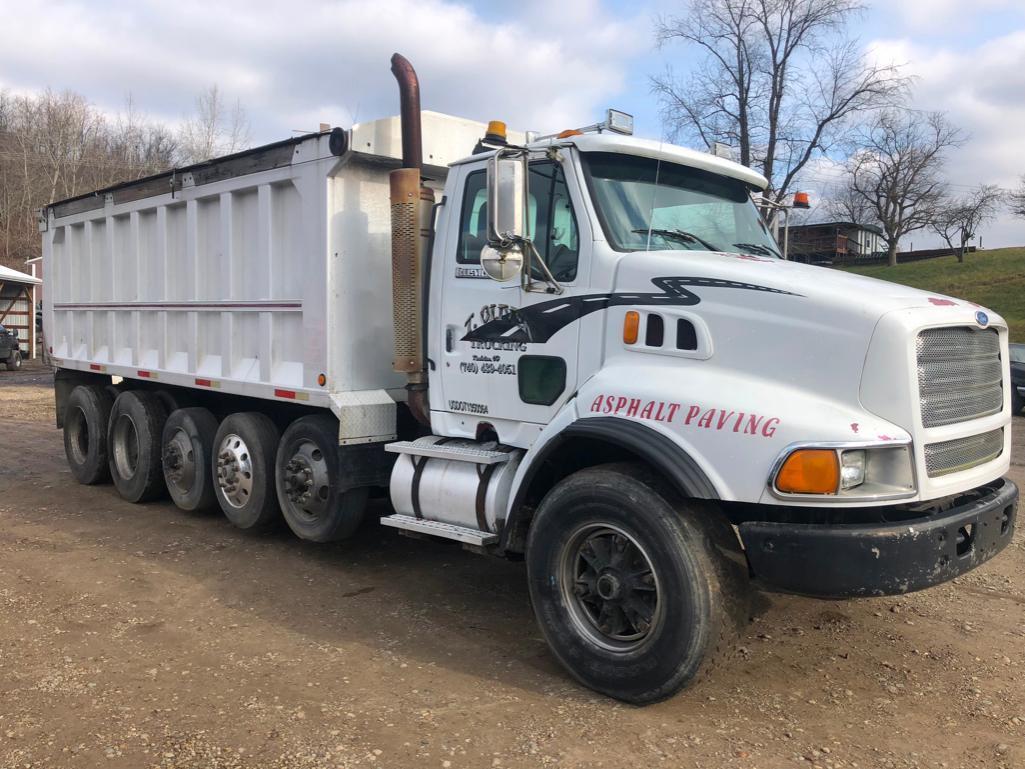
(963, 453)
(959, 374)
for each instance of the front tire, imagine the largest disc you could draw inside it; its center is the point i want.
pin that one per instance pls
(636, 592)
(308, 482)
(134, 439)
(14, 362)
(243, 470)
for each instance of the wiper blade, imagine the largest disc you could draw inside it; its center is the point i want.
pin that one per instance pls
(680, 235)
(757, 248)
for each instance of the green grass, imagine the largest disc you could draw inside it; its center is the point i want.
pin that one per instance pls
(994, 279)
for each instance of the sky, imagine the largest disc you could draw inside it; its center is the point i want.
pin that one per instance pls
(535, 64)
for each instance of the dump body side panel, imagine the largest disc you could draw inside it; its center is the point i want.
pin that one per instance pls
(254, 284)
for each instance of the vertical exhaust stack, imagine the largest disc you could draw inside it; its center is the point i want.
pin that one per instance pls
(411, 206)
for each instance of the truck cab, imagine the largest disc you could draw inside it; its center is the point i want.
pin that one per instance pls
(839, 435)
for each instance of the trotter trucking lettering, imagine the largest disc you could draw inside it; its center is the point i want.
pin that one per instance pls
(725, 420)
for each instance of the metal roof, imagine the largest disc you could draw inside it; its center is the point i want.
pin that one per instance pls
(850, 225)
(7, 275)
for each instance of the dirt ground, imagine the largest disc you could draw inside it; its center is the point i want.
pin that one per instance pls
(141, 636)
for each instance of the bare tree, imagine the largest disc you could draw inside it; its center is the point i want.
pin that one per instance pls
(777, 78)
(215, 129)
(897, 170)
(57, 145)
(1016, 200)
(843, 204)
(957, 220)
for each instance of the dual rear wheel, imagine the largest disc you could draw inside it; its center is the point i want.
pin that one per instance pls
(146, 444)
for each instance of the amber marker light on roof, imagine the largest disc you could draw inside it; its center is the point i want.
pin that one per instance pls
(810, 471)
(631, 327)
(496, 132)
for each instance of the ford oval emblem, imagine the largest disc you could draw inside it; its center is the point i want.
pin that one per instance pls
(981, 318)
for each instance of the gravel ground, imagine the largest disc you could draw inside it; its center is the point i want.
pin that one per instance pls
(141, 636)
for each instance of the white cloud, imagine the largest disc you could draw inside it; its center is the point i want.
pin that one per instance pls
(980, 88)
(296, 64)
(944, 15)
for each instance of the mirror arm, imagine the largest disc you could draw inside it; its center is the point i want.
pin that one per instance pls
(553, 287)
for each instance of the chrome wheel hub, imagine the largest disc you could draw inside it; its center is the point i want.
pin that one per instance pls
(234, 470)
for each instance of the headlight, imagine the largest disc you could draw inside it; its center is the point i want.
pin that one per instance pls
(852, 468)
(844, 471)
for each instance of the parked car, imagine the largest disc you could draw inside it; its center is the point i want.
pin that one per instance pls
(1017, 378)
(10, 352)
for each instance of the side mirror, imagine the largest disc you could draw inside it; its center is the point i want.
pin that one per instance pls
(507, 198)
(501, 265)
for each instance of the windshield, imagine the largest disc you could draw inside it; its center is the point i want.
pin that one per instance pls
(1017, 353)
(684, 208)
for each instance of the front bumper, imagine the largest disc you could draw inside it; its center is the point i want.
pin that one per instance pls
(837, 561)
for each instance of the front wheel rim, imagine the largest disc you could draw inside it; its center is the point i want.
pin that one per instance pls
(610, 587)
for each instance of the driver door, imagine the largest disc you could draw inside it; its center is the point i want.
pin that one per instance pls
(509, 356)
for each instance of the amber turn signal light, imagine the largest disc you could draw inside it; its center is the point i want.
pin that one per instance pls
(810, 471)
(631, 327)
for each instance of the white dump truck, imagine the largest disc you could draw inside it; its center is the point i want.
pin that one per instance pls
(583, 350)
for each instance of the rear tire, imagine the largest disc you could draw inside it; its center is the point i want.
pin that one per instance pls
(308, 482)
(243, 470)
(86, 417)
(134, 438)
(637, 592)
(14, 362)
(187, 456)
(174, 400)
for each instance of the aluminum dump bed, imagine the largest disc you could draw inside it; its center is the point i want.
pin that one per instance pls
(262, 273)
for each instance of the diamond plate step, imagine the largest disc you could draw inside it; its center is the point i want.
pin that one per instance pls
(448, 451)
(437, 529)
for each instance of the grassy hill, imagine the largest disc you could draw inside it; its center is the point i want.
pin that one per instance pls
(994, 279)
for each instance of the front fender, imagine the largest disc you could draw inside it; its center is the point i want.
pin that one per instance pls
(646, 442)
(733, 425)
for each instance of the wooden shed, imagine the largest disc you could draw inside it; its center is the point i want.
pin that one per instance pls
(17, 307)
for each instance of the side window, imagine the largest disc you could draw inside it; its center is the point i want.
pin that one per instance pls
(553, 223)
(473, 220)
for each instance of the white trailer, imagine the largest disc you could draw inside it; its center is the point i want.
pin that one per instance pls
(582, 349)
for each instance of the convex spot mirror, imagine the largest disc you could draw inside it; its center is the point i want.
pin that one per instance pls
(507, 197)
(501, 265)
